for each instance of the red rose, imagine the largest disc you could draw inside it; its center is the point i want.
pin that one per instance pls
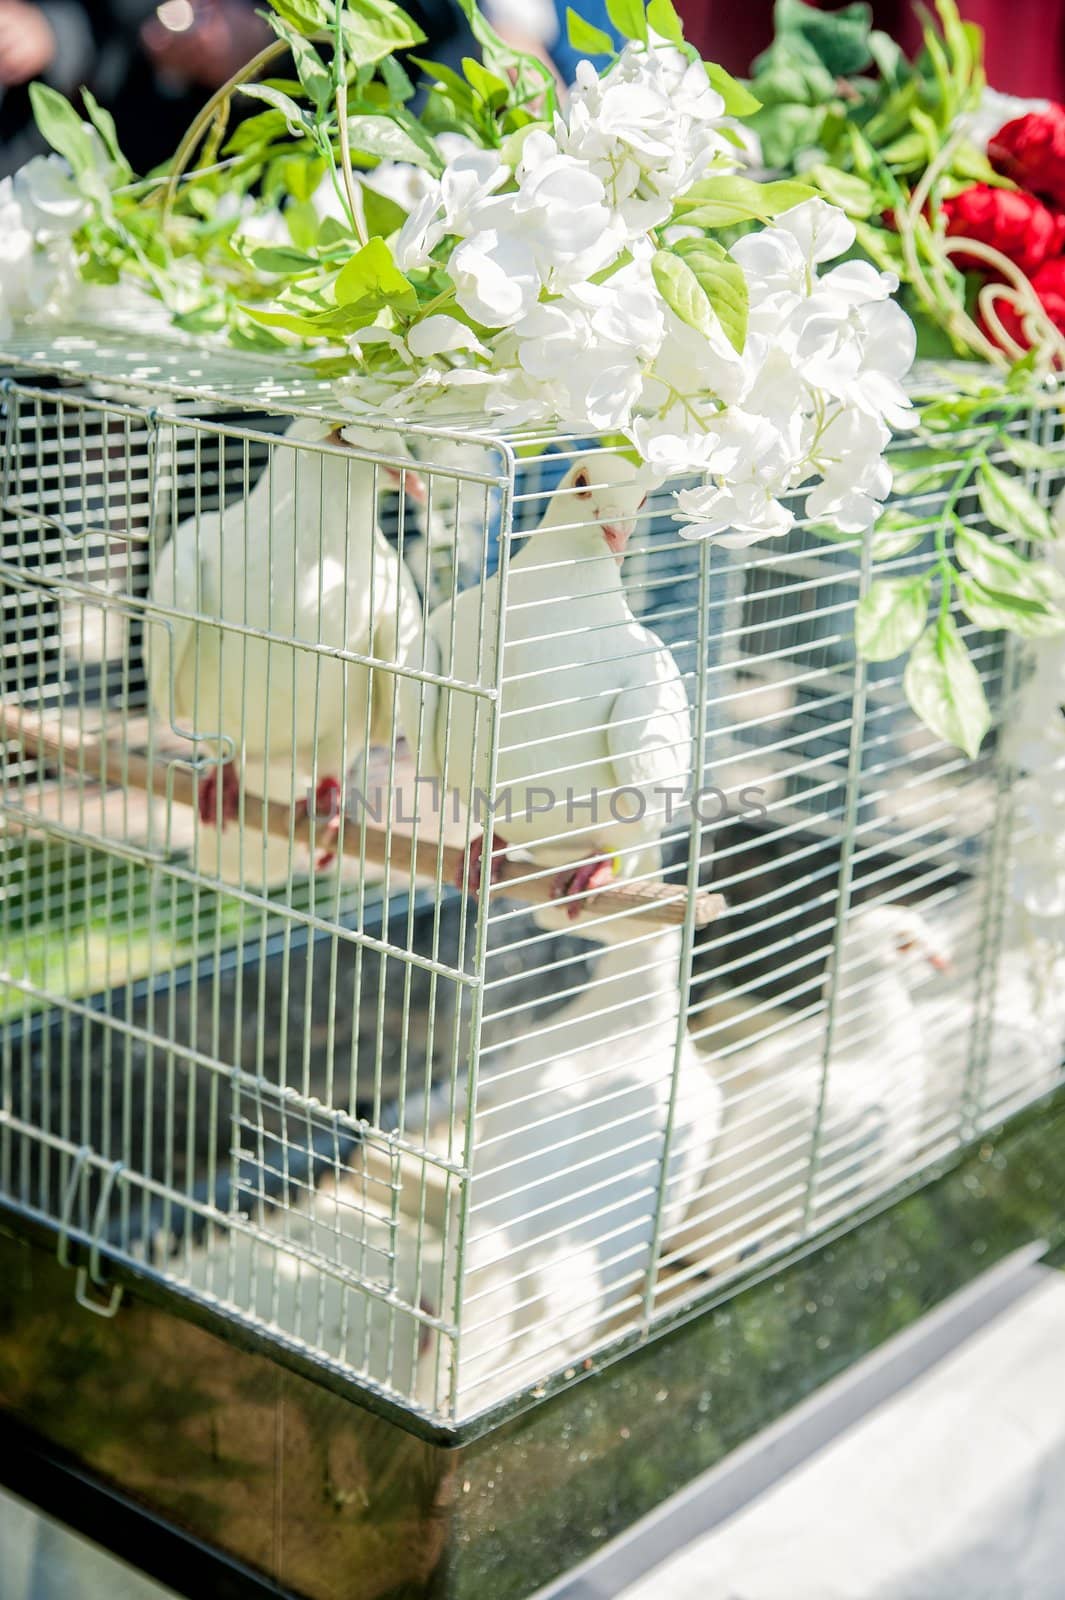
(1049, 285)
(1018, 225)
(1031, 151)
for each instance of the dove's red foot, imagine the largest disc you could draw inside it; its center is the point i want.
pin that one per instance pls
(581, 881)
(468, 875)
(326, 818)
(207, 795)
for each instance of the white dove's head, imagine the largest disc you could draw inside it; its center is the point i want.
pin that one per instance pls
(894, 937)
(603, 494)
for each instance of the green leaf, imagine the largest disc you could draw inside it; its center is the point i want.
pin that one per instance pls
(590, 41)
(1031, 456)
(722, 283)
(395, 138)
(301, 220)
(296, 120)
(383, 214)
(206, 318)
(723, 202)
(919, 468)
(397, 80)
(299, 175)
(993, 608)
(682, 292)
(499, 56)
(104, 123)
(629, 18)
(852, 194)
(882, 248)
(61, 126)
(896, 535)
(456, 90)
(312, 72)
(996, 566)
(663, 19)
(372, 276)
(290, 320)
(890, 618)
(306, 16)
(334, 230)
(739, 101)
(492, 90)
(944, 687)
(970, 164)
(909, 150)
(279, 258)
(840, 38)
(374, 28)
(262, 129)
(315, 77)
(888, 58)
(1009, 505)
(785, 129)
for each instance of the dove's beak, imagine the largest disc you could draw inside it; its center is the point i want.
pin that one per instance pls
(939, 961)
(617, 536)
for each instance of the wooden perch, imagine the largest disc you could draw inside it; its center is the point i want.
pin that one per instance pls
(170, 779)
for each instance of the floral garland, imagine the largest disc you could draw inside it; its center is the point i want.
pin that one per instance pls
(608, 267)
(578, 265)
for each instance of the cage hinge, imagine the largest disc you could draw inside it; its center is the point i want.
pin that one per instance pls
(93, 1272)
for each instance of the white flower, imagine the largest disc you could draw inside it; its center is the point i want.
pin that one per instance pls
(16, 255)
(855, 478)
(560, 205)
(752, 462)
(495, 277)
(448, 205)
(440, 335)
(39, 210)
(669, 445)
(51, 202)
(597, 381)
(648, 128)
(258, 224)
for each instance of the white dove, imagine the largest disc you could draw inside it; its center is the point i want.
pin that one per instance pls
(1018, 986)
(873, 1110)
(302, 558)
(569, 1164)
(592, 704)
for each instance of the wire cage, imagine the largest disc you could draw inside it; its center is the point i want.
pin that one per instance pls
(454, 1120)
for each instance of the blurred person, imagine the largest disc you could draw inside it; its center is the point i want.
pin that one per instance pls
(180, 52)
(539, 28)
(202, 43)
(186, 49)
(563, 54)
(56, 41)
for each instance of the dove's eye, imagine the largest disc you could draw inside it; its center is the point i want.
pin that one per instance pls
(580, 483)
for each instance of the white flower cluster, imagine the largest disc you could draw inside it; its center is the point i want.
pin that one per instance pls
(648, 129)
(549, 245)
(819, 387)
(40, 208)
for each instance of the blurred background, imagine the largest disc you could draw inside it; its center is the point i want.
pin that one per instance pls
(153, 66)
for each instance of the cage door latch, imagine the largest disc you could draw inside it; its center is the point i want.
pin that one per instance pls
(93, 1271)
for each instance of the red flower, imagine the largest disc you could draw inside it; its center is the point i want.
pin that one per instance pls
(1049, 285)
(1031, 151)
(1018, 225)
